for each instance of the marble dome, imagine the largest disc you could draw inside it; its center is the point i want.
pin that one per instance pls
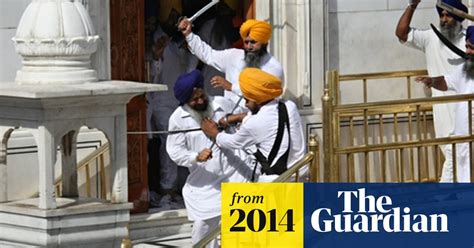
(56, 39)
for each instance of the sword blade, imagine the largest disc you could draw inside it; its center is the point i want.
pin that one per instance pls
(449, 44)
(204, 9)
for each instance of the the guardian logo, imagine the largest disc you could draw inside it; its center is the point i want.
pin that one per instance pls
(375, 215)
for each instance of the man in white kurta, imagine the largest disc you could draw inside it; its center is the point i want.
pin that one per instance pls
(259, 129)
(173, 60)
(255, 35)
(461, 81)
(440, 60)
(209, 165)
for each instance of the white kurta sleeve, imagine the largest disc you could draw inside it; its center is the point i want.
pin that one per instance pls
(455, 79)
(218, 59)
(298, 144)
(236, 89)
(242, 139)
(417, 39)
(176, 146)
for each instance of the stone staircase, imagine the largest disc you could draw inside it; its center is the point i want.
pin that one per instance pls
(170, 228)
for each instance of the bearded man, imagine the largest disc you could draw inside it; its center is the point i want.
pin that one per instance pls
(461, 81)
(440, 60)
(273, 126)
(209, 165)
(255, 35)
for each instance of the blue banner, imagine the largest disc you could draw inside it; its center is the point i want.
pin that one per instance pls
(388, 215)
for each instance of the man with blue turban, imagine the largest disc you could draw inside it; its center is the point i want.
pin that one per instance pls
(167, 61)
(255, 35)
(461, 81)
(209, 165)
(440, 60)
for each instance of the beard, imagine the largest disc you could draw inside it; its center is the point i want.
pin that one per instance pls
(450, 32)
(200, 112)
(468, 68)
(254, 111)
(253, 59)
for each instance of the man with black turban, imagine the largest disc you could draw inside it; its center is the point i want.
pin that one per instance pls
(461, 81)
(255, 35)
(440, 60)
(209, 165)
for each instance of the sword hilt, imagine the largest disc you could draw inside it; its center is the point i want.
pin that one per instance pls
(179, 21)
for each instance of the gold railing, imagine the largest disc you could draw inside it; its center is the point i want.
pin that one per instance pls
(384, 141)
(311, 159)
(85, 164)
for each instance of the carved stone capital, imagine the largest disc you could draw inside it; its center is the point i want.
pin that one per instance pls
(56, 39)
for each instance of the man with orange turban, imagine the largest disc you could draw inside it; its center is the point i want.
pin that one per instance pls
(273, 125)
(231, 62)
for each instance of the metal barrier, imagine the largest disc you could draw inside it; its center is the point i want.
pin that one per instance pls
(384, 141)
(97, 156)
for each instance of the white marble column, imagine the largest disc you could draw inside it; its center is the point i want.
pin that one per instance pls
(46, 161)
(119, 161)
(69, 165)
(4, 135)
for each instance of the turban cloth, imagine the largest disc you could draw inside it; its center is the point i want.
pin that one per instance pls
(456, 4)
(257, 30)
(166, 6)
(185, 84)
(470, 34)
(259, 86)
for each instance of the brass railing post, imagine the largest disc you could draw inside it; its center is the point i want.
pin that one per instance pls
(313, 146)
(126, 242)
(327, 102)
(102, 183)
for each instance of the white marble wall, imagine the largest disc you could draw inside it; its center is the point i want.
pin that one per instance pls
(291, 43)
(10, 14)
(99, 13)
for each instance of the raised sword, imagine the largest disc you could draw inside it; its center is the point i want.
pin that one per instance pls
(204, 9)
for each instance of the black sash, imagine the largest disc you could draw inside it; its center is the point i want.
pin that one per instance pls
(282, 163)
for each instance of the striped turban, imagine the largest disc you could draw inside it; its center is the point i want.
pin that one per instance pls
(185, 84)
(259, 86)
(257, 30)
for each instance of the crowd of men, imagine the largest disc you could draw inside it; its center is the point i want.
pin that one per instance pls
(251, 133)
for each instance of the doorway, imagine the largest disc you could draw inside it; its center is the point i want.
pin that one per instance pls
(144, 43)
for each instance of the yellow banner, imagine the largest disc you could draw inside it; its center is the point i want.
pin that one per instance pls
(262, 215)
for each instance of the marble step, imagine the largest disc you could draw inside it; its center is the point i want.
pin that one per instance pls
(170, 227)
